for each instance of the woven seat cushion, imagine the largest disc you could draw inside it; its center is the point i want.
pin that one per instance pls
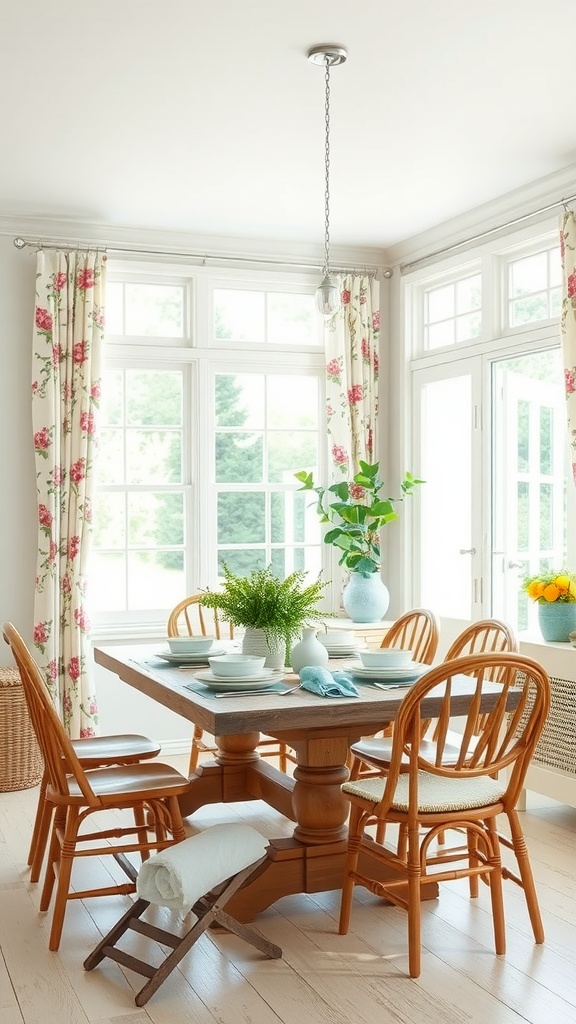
(435, 794)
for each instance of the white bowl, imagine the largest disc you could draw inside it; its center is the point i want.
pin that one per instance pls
(337, 638)
(189, 644)
(386, 657)
(234, 665)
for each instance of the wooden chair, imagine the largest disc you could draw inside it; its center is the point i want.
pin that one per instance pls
(92, 752)
(150, 791)
(419, 632)
(482, 637)
(485, 780)
(187, 618)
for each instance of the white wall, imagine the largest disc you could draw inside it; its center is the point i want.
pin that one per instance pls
(18, 492)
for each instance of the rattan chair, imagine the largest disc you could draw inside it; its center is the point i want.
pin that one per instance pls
(418, 631)
(150, 791)
(372, 756)
(188, 617)
(482, 637)
(92, 752)
(469, 793)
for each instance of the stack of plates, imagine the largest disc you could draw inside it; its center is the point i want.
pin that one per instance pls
(336, 650)
(254, 681)
(408, 674)
(190, 659)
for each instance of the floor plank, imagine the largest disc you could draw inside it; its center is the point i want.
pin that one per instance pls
(322, 978)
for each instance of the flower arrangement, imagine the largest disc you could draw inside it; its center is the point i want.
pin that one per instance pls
(262, 600)
(357, 512)
(551, 587)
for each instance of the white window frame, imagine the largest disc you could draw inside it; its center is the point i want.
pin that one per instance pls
(200, 356)
(497, 341)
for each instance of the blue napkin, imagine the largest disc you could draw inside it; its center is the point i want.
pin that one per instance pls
(326, 684)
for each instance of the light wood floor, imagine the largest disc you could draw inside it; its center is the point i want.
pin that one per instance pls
(323, 978)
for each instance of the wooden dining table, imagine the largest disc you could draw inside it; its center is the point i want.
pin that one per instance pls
(318, 729)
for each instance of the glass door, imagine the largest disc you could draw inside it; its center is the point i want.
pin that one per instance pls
(448, 429)
(529, 478)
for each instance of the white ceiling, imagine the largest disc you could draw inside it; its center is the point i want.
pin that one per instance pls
(205, 116)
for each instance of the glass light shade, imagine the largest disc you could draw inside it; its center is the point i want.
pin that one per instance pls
(328, 296)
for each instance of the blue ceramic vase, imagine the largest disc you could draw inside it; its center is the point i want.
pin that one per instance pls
(557, 619)
(365, 598)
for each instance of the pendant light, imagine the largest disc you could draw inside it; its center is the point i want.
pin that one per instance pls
(328, 291)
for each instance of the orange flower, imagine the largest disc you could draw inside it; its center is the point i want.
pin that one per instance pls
(563, 584)
(535, 590)
(551, 592)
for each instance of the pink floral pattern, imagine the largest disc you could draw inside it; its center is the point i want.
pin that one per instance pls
(67, 355)
(568, 323)
(352, 375)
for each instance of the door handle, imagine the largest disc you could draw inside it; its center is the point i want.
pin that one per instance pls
(467, 551)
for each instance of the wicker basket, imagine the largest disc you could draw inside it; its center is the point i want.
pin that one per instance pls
(21, 762)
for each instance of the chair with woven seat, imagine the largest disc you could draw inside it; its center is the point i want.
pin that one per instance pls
(482, 637)
(149, 790)
(188, 618)
(432, 794)
(418, 631)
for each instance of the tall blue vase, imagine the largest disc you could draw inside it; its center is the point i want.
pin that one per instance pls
(365, 598)
(557, 619)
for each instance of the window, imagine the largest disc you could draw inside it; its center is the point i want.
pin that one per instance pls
(267, 426)
(282, 319)
(534, 287)
(489, 432)
(452, 312)
(146, 309)
(212, 400)
(139, 514)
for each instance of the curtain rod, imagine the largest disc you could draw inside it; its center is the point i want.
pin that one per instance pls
(22, 243)
(404, 267)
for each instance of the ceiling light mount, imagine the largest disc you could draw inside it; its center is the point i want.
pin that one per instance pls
(323, 55)
(328, 291)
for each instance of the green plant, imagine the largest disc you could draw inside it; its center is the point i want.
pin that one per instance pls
(551, 587)
(357, 513)
(263, 601)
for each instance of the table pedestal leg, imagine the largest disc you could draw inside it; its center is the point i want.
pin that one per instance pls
(321, 811)
(313, 859)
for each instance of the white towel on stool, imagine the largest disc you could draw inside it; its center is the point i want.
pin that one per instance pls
(177, 876)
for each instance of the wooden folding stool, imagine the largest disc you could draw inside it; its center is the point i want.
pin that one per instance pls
(209, 909)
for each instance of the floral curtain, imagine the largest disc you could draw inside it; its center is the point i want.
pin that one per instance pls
(568, 323)
(352, 375)
(67, 352)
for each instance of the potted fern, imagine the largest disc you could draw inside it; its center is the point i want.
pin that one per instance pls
(271, 610)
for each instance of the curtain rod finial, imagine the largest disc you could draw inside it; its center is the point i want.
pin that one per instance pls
(19, 243)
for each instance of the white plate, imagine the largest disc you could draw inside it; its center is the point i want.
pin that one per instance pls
(190, 659)
(342, 652)
(255, 682)
(384, 675)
